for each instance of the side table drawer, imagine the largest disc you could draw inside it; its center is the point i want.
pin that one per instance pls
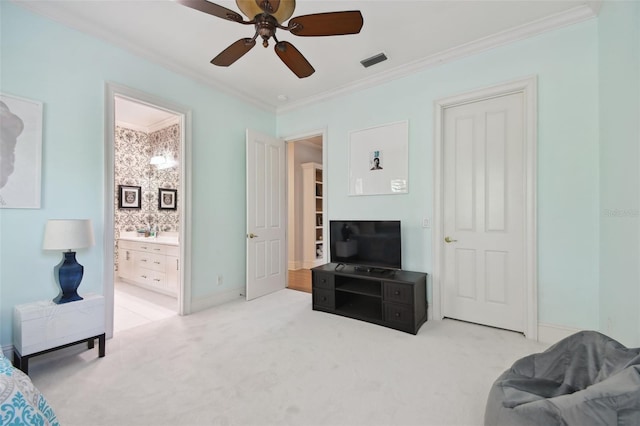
(322, 280)
(324, 298)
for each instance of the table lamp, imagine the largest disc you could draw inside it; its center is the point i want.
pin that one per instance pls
(68, 234)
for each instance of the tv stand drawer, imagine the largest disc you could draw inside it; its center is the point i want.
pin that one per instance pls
(398, 314)
(399, 293)
(323, 280)
(324, 298)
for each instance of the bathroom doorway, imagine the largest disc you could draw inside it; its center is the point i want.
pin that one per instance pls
(146, 223)
(146, 253)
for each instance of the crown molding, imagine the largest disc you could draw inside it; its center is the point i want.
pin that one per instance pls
(132, 126)
(575, 15)
(157, 58)
(163, 124)
(569, 17)
(309, 144)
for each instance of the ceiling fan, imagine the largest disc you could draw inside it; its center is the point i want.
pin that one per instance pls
(267, 16)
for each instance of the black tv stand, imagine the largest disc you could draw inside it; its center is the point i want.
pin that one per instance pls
(391, 298)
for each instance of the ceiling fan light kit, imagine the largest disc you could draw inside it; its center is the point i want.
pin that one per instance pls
(267, 16)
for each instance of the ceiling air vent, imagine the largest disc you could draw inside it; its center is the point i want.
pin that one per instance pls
(373, 60)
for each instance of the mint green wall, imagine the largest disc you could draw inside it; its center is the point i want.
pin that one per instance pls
(619, 47)
(587, 260)
(566, 64)
(67, 71)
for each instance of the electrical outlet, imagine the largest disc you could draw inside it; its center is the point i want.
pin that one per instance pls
(219, 279)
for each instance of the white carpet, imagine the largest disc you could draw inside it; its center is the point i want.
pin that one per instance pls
(274, 361)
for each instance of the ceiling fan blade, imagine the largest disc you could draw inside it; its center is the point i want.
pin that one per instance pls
(234, 52)
(293, 59)
(212, 9)
(327, 24)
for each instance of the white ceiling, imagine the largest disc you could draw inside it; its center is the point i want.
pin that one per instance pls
(141, 117)
(413, 34)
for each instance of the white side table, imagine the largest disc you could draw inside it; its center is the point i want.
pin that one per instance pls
(44, 326)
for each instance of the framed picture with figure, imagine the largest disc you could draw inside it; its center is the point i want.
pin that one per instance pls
(129, 197)
(167, 199)
(20, 152)
(379, 159)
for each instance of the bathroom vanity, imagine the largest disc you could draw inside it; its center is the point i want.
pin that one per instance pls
(152, 263)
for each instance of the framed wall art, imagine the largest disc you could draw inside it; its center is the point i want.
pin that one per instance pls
(167, 199)
(129, 197)
(20, 152)
(378, 160)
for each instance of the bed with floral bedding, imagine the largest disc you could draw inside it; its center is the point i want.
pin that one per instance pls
(20, 402)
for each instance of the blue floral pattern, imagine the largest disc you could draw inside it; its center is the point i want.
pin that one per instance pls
(20, 402)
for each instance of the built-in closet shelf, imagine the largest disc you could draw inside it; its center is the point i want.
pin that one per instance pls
(313, 234)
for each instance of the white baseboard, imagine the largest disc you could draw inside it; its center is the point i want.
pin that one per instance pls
(7, 351)
(552, 333)
(547, 333)
(206, 302)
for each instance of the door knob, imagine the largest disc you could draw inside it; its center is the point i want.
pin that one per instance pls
(449, 240)
(252, 235)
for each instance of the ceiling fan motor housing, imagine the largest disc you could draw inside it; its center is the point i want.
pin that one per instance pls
(265, 27)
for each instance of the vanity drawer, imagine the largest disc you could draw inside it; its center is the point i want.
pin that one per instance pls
(152, 278)
(150, 261)
(322, 280)
(153, 248)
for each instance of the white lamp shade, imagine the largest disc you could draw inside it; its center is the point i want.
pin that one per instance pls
(68, 234)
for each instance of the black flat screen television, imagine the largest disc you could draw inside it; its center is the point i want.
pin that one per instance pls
(366, 243)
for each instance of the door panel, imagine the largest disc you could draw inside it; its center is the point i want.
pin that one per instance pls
(484, 212)
(266, 204)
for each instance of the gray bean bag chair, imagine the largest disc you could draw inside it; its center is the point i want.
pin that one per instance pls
(584, 379)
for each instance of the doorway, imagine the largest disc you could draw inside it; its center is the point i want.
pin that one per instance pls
(147, 235)
(306, 207)
(485, 207)
(147, 145)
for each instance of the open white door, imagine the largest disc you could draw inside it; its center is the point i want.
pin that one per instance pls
(266, 215)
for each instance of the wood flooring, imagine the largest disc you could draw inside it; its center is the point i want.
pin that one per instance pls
(300, 279)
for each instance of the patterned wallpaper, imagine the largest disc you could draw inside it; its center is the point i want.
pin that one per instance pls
(133, 151)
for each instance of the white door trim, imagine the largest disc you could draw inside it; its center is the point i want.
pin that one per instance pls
(184, 201)
(528, 88)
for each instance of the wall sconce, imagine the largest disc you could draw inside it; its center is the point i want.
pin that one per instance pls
(163, 162)
(156, 160)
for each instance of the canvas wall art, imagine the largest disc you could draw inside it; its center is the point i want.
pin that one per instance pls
(20, 152)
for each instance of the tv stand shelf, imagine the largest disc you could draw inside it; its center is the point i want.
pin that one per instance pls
(395, 299)
(360, 287)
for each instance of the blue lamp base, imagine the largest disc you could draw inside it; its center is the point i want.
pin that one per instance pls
(68, 274)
